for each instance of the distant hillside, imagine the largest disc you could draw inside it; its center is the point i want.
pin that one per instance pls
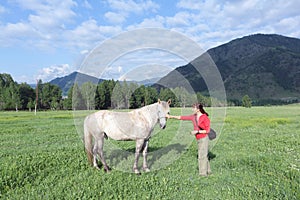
(149, 82)
(261, 66)
(66, 82)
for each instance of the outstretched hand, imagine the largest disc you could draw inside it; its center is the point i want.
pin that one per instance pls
(172, 116)
(194, 132)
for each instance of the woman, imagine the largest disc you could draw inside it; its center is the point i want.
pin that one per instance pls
(201, 124)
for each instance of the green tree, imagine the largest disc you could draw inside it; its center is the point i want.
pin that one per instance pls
(27, 94)
(49, 96)
(166, 94)
(151, 95)
(30, 105)
(9, 93)
(206, 101)
(103, 94)
(76, 97)
(14, 95)
(67, 102)
(142, 96)
(184, 97)
(117, 97)
(137, 99)
(246, 102)
(88, 91)
(126, 92)
(39, 90)
(100, 96)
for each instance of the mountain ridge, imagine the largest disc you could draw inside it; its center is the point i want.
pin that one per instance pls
(263, 66)
(66, 82)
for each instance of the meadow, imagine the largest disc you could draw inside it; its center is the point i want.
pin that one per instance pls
(256, 156)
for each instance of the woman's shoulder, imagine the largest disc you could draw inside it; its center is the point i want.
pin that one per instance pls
(204, 116)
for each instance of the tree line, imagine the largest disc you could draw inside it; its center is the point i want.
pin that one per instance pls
(14, 96)
(109, 94)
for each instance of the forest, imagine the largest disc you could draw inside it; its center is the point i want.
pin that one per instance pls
(109, 94)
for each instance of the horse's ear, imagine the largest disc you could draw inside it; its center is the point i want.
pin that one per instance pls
(158, 100)
(169, 101)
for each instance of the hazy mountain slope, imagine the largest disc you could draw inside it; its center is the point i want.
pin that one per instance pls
(66, 82)
(261, 66)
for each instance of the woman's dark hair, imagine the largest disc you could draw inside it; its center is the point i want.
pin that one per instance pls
(200, 107)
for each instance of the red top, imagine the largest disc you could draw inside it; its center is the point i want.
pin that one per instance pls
(203, 123)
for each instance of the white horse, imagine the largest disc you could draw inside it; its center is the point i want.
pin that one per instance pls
(134, 125)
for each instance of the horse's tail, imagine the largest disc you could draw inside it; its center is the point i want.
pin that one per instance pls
(88, 141)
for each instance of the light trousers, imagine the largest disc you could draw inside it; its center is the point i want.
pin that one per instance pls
(204, 166)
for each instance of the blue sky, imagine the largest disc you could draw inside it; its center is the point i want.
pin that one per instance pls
(50, 38)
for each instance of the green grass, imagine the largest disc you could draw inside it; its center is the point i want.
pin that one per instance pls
(257, 156)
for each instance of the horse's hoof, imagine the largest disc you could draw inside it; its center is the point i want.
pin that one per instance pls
(146, 169)
(107, 170)
(136, 171)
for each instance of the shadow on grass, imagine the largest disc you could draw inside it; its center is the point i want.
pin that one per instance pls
(155, 154)
(211, 155)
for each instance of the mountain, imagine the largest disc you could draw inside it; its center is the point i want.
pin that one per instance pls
(263, 66)
(66, 82)
(149, 82)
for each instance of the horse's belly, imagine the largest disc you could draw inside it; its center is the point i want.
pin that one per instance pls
(125, 134)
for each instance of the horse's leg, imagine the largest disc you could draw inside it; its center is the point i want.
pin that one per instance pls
(145, 151)
(95, 151)
(138, 147)
(100, 143)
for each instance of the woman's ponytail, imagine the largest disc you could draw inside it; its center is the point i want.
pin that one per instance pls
(200, 107)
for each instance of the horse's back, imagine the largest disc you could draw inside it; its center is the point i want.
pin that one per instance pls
(119, 125)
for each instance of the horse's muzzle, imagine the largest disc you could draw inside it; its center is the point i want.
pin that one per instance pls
(163, 126)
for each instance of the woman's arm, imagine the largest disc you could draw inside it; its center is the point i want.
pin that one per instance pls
(172, 116)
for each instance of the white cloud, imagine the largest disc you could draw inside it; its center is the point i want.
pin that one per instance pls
(143, 64)
(42, 27)
(145, 72)
(288, 24)
(51, 24)
(120, 69)
(188, 4)
(179, 19)
(115, 18)
(88, 34)
(123, 9)
(212, 23)
(112, 72)
(84, 52)
(130, 6)
(48, 73)
(63, 24)
(156, 22)
(87, 5)
(48, 14)
(18, 29)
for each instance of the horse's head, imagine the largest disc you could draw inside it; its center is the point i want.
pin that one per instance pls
(163, 110)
